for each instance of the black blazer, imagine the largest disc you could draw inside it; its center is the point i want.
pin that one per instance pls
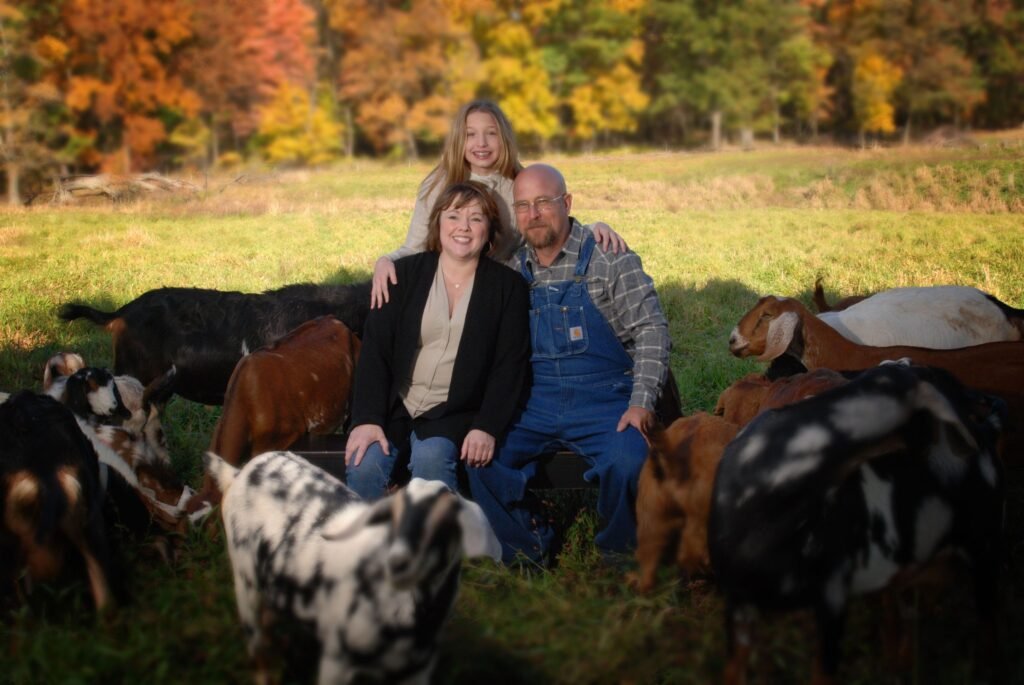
(492, 369)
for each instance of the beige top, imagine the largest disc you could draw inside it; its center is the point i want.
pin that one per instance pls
(439, 345)
(416, 238)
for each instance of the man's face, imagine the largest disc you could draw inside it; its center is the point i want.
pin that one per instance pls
(541, 208)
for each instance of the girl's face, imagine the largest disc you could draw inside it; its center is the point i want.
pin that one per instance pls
(464, 231)
(483, 143)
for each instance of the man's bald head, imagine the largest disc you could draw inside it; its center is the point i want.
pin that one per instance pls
(544, 174)
(542, 208)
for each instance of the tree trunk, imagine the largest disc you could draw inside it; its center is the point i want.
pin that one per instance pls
(747, 138)
(814, 127)
(863, 138)
(410, 144)
(906, 130)
(13, 171)
(776, 133)
(350, 134)
(716, 130)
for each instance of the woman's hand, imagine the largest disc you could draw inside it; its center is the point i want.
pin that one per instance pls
(359, 440)
(606, 238)
(477, 448)
(384, 271)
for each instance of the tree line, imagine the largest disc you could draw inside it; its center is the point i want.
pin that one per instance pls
(129, 85)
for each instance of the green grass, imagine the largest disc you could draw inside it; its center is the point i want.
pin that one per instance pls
(715, 231)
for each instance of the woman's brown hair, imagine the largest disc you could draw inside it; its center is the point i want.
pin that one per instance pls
(457, 196)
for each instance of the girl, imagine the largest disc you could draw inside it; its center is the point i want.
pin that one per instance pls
(480, 147)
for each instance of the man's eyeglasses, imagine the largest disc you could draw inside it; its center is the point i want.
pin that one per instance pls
(541, 204)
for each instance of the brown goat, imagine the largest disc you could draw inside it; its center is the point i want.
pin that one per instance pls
(300, 384)
(753, 394)
(778, 326)
(674, 494)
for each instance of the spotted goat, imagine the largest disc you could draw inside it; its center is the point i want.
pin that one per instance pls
(369, 586)
(852, 490)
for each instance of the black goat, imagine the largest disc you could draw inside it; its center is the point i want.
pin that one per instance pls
(846, 492)
(203, 333)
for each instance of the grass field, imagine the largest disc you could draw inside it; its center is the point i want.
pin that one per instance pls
(715, 232)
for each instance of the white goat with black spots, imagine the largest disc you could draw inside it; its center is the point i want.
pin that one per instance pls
(846, 492)
(371, 584)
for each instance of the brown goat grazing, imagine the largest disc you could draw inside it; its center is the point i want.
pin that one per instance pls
(779, 326)
(753, 394)
(300, 384)
(674, 494)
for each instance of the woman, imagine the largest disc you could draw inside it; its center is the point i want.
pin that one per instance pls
(481, 147)
(443, 364)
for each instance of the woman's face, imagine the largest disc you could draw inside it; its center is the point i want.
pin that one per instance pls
(483, 143)
(464, 231)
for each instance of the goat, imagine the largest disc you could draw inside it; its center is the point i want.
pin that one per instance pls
(938, 317)
(299, 384)
(674, 494)
(51, 494)
(203, 333)
(138, 456)
(143, 403)
(849, 491)
(783, 326)
(674, 490)
(754, 393)
(61, 365)
(372, 584)
(92, 395)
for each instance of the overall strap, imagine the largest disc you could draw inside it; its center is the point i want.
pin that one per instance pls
(586, 251)
(524, 267)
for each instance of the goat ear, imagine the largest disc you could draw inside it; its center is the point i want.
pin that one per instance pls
(935, 401)
(780, 335)
(478, 539)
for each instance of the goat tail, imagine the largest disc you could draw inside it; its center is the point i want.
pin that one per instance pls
(70, 312)
(222, 473)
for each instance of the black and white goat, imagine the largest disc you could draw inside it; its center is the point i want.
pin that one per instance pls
(842, 493)
(371, 584)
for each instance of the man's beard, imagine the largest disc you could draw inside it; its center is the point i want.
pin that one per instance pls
(541, 236)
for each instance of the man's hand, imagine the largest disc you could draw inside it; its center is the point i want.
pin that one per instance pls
(383, 271)
(359, 440)
(638, 417)
(477, 448)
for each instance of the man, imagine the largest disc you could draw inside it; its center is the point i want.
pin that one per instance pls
(599, 361)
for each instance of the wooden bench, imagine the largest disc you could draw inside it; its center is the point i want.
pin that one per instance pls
(557, 471)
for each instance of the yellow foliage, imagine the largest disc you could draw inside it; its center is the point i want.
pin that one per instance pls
(874, 80)
(610, 103)
(294, 130)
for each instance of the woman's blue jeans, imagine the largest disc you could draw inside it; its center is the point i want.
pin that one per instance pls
(430, 459)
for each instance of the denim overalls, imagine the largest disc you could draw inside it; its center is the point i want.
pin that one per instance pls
(582, 382)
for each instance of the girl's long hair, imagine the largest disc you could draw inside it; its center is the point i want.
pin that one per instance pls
(453, 167)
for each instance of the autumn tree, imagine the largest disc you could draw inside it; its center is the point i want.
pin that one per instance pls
(220, 63)
(874, 81)
(593, 54)
(406, 68)
(122, 72)
(295, 129)
(27, 97)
